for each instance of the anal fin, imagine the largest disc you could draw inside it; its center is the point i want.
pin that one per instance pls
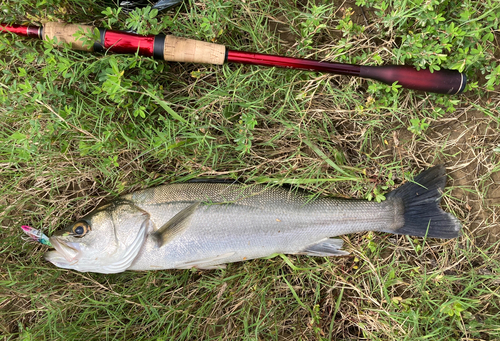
(325, 248)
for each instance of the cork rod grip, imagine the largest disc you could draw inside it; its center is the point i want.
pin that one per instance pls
(64, 33)
(178, 49)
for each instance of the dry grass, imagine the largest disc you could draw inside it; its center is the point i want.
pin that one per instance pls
(390, 288)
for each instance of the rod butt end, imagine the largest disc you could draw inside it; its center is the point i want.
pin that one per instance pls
(464, 83)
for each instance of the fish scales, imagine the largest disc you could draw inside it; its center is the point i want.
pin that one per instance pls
(250, 221)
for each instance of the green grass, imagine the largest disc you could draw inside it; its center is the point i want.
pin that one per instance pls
(71, 138)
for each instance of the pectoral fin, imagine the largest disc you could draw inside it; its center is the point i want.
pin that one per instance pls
(175, 226)
(325, 248)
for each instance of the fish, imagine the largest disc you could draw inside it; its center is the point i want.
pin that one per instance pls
(206, 225)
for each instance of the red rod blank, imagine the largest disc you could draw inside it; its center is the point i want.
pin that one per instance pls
(293, 63)
(442, 81)
(27, 31)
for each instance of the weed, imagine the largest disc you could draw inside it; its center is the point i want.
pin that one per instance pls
(78, 129)
(418, 126)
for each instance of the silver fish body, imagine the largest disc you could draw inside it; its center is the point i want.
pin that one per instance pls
(236, 223)
(207, 225)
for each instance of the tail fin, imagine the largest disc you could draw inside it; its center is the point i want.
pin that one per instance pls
(422, 214)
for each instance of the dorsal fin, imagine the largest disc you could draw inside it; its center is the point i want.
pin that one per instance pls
(212, 181)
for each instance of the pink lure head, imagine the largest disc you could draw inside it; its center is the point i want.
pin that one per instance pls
(37, 235)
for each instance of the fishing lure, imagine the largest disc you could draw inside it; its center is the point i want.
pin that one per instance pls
(37, 235)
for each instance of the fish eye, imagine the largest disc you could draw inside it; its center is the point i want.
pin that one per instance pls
(80, 228)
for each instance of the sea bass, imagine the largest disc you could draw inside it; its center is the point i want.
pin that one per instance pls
(207, 225)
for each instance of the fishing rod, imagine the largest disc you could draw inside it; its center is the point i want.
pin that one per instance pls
(176, 49)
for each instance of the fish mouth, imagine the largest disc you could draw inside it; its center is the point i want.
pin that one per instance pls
(66, 253)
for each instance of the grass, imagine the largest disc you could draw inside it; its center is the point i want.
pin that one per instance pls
(71, 138)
